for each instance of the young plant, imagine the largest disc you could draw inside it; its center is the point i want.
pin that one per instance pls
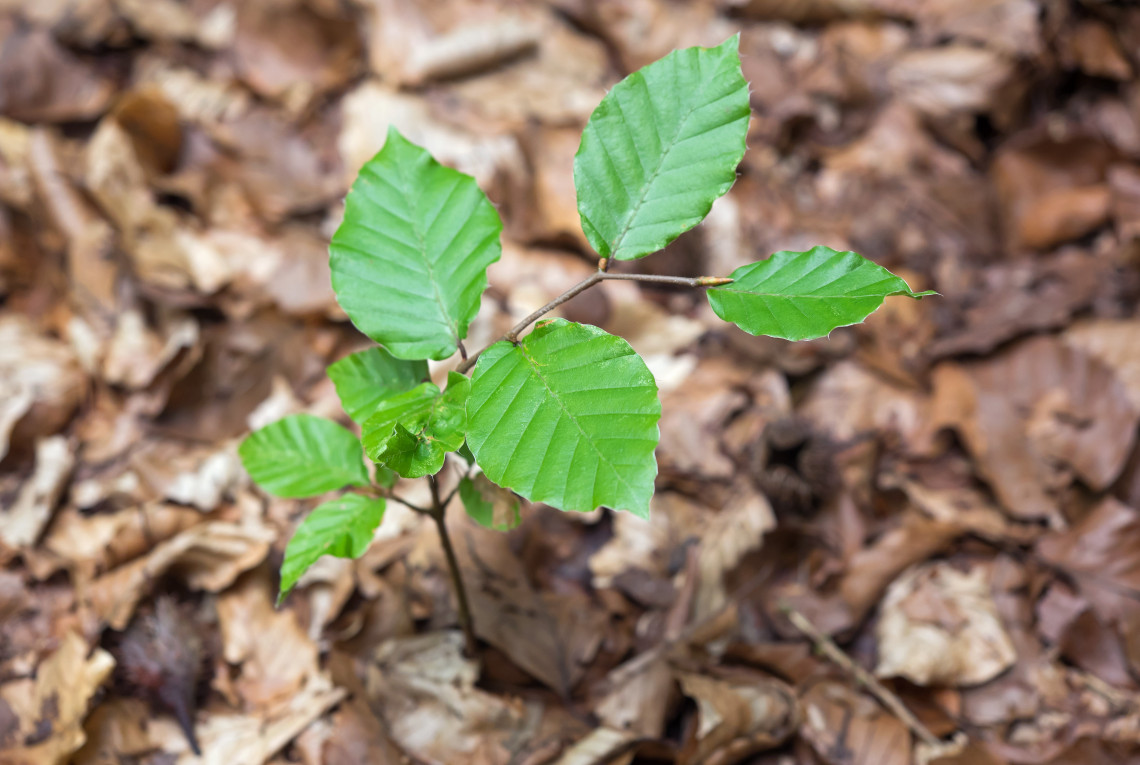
(567, 414)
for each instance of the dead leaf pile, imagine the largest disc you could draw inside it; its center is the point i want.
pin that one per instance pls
(947, 495)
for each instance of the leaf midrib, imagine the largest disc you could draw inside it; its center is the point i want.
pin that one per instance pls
(813, 297)
(650, 181)
(451, 322)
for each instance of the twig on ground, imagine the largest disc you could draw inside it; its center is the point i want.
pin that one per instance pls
(826, 646)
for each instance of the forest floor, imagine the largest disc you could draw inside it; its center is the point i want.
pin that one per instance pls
(917, 540)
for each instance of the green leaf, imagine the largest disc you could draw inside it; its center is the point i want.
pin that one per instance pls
(490, 506)
(302, 455)
(660, 148)
(805, 295)
(412, 455)
(342, 527)
(567, 417)
(365, 378)
(385, 477)
(411, 432)
(409, 262)
(464, 451)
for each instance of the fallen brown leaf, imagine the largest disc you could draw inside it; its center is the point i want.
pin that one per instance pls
(939, 626)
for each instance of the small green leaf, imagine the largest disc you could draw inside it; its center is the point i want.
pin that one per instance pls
(409, 262)
(567, 417)
(490, 506)
(411, 432)
(661, 147)
(365, 378)
(342, 527)
(412, 455)
(805, 295)
(302, 455)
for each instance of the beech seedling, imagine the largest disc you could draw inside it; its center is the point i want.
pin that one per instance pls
(566, 414)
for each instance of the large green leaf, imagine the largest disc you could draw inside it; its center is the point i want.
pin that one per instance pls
(411, 432)
(409, 262)
(804, 295)
(660, 148)
(342, 527)
(567, 417)
(365, 378)
(302, 455)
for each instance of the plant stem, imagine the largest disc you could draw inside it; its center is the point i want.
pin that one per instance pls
(512, 335)
(438, 514)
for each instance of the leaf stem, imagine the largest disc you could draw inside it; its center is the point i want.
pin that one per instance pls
(463, 608)
(512, 335)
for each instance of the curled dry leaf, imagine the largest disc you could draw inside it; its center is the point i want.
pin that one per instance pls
(209, 556)
(201, 478)
(227, 736)
(47, 713)
(89, 543)
(557, 81)
(736, 718)
(951, 80)
(1114, 342)
(846, 727)
(848, 401)
(1014, 299)
(543, 636)
(23, 523)
(1009, 26)
(802, 11)
(371, 108)
(693, 418)
(939, 626)
(1092, 47)
(638, 695)
(600, 745)
(136, 354)
(41, 81)
(425, 691)
(1051, 191)
(1102, 554)
(1035, 416)
(41, 384)
(290, 53)
(870, 570)
(732, 533)
(469, 48)
(272, 671)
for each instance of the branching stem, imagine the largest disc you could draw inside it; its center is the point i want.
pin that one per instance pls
(438, 514)
(512, 335)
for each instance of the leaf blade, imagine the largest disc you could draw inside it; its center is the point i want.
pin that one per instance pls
(363, 379)
(412, 432)
(342, 527)
(303, 455)
(805, 295)
(409, 262)
(539, 424)
(660, 148)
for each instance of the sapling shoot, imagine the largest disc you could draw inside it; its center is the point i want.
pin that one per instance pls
(554, 411)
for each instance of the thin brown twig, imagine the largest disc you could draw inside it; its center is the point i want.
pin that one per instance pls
(438, 514)
(512, 335)
(826, 646)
